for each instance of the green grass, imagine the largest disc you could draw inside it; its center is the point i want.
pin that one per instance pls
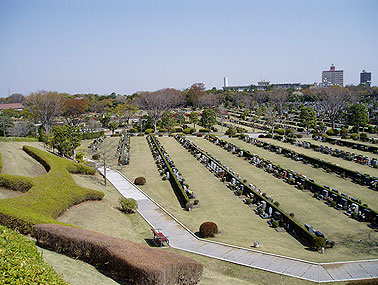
(48, 195)
(320, 176)
(21, 263)
(333, 224)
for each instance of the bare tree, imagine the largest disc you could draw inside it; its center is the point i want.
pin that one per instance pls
(261, 97)
(279, 98)
(209, 100)
(157, 102)
(195, 92)
(239, 99)
(45, 106)
(250, 104)
(333, 101)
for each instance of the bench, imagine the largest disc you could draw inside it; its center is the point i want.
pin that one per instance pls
(160, 237)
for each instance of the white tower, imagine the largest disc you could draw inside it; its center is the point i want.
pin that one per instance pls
(225, 82)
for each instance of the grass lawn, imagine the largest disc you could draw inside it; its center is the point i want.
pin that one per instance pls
(334, 224)
(18, 162)
(320, 176)
(344, 163)
(351, 150)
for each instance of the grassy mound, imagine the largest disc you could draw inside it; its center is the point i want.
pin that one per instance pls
(46, 196)
(132, 262)
(21, 262)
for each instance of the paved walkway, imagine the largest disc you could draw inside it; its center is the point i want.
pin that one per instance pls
(182, 238)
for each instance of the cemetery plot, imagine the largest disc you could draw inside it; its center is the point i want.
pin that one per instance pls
(345, 153)
(329, 163)
(354, 152)
(237, 222)
(342, 201)
(123, 150)
(267, 209)
(327, 220)
(169, 172)
(310, 173)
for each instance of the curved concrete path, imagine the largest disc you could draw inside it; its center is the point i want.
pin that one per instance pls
(182, 238)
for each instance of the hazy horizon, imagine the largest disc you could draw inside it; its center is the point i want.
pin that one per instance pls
(129, 46)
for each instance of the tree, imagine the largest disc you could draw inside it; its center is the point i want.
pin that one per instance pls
(209, 118)
(45, 106)
(128, 206)
(74, 109)
(113, 126)
(66, 139)
(125, 111)
(157, 102)
(209, 100)
(358, 116)
(194, 118)
(21, 129)
(5, 124)
(167, 120)
(333, 101)
(196, 91)
(260, 97)
(279, 98)
(105, 119)
(308, 117)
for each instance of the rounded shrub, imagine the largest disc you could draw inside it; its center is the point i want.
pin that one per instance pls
(133, 130)
(208, 229)
(354, 136)
(96, 156)
(196, 202)
(148, 131)
(277, 204)
(128, 206)
(275, 224)
(140, 181)
(318, 243)
(364, 137)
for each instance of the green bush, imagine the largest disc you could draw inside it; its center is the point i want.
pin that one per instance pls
(332, 132)
(230, 131)
(333, 203)
(203, 130)
(96, 156)
(248, 201)
(318, 243)
(21, 262)
(133, 130)
(189, 130)
(240, 130)
(94, 135)
(279, 131)
(196, 202)
(49, 195)
(239, 192)
(364, 137)
(277, 204)
(177, 130)
(275, 224)
(354, 215)
(354, 136)
(149, 131)
(128, 206)
(208, 229)
(163, 130)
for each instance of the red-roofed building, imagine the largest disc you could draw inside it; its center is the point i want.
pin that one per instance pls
(16, 106)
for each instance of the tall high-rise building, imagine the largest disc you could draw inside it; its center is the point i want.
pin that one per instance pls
(365, 77)
(333, 77)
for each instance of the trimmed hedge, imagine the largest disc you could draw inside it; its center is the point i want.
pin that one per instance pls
(94, 135)
(140, 181)
(132, 262)
(21, 262)
(18, 139)
(208, 229)
(46, 196)
(176, 185)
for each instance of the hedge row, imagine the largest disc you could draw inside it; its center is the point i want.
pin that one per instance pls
(18, 139)
(94, 135)
(176, 185)
(307, 182)
(46, 196)
(133, 263)
(21, 262)
(360, 146)
(291, 224)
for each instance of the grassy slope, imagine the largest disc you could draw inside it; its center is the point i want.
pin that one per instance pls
(50, 195)
(334, 224)
(320, 176)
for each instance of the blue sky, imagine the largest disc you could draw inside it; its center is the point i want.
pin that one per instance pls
(128, 46)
